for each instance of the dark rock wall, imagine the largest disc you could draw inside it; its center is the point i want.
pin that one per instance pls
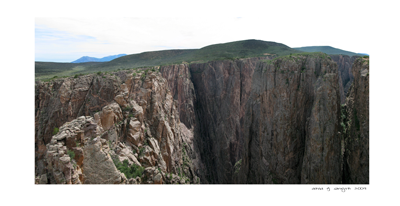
(346, 77)
(290, 126)
(356, 156)
(222, 89)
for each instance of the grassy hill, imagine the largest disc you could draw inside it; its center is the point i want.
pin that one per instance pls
(143, 59)
(242, 49)
(45, 70)
(326, 49)
(231, 50)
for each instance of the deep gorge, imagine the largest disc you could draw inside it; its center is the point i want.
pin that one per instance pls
(278, 120)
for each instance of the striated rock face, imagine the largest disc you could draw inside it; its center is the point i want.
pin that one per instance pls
(182, 90)
(139, 127)
(356, 156)
(291, 122)
(346, 77)
(222, 89)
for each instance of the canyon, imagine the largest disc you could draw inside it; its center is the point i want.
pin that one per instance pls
(301, 118)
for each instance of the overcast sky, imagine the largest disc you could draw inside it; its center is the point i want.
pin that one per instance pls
(67, 39)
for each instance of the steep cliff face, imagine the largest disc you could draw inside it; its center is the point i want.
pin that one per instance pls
(222, 89)
(356, 156)
(346, 77)
(182, 90)
(138, 128)
(291, 122)
(252, 120)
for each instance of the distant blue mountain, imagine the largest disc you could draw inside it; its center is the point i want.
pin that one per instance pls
(94, 59)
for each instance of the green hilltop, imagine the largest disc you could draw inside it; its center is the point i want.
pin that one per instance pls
(326, 50)
(231, 50)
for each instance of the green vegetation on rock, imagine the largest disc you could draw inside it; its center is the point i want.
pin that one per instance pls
(132, 171)
(55, 130)
(71, 154)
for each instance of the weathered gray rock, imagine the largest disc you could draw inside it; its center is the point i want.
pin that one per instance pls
(43, 179)
(158, 179)
(98, 167)
(134, 133)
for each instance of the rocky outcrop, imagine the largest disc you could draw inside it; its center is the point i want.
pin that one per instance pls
(63, 100)
(138, 128)
(291, 122)
(222, 89)
(356, 131)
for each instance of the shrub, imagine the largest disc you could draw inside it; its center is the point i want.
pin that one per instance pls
(98, 73)
(71, 154)
(129, 171)
(237, 166)
(55, 130)
(141, 150)
(76, 76)
(128, 108)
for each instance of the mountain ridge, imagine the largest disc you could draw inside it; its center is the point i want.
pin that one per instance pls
(94, 59)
